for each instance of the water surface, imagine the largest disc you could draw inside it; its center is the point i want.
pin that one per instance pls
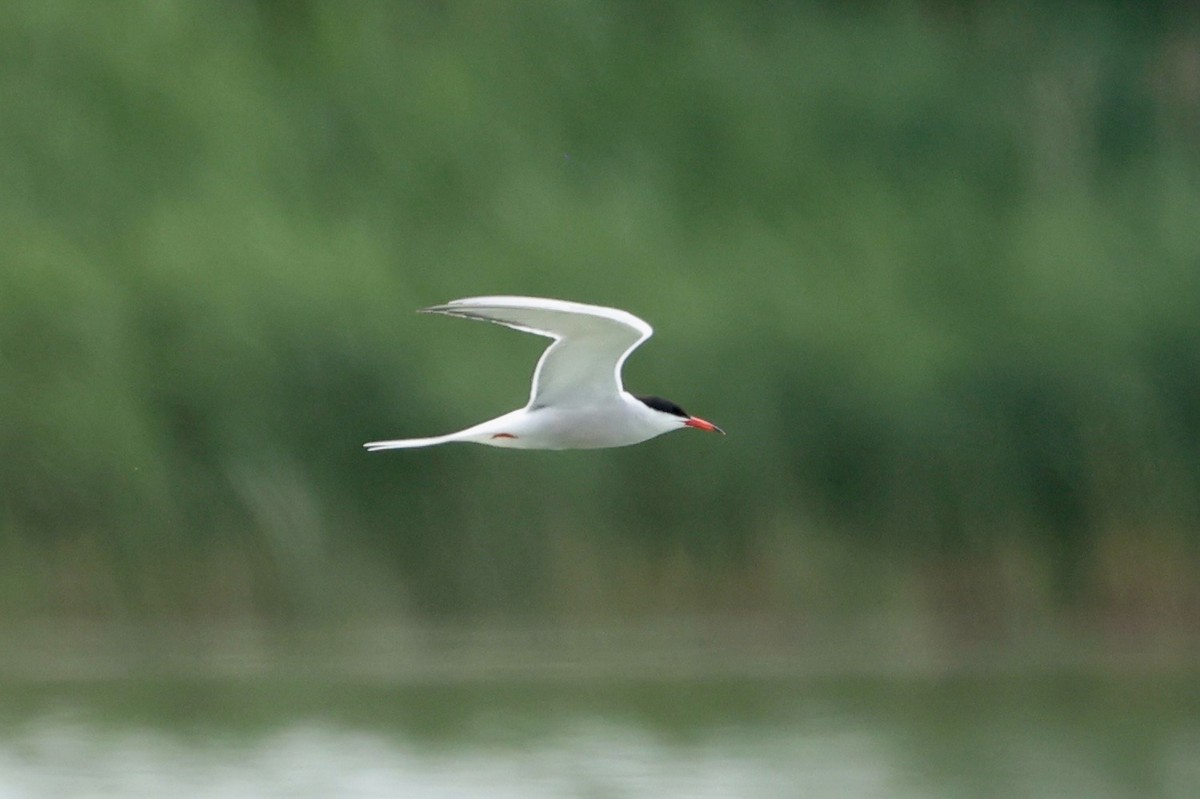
(1057, 734)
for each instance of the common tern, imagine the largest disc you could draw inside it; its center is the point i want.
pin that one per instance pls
(577, 400)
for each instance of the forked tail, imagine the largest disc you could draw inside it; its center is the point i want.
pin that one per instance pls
(412, 443)
(498, 432)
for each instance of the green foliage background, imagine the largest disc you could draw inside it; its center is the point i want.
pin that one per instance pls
(935, 267)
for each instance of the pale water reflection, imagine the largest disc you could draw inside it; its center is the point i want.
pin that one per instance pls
(1062, 736)
(596, 760)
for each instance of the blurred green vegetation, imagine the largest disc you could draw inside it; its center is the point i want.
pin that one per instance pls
(933, 266)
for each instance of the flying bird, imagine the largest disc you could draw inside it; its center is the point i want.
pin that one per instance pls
(577, 400)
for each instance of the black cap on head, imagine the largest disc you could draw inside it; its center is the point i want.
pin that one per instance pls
(664, 405)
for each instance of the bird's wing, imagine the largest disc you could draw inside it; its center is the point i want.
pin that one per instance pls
(590, 345)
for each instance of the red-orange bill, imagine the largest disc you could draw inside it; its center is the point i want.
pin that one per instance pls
(700, 424)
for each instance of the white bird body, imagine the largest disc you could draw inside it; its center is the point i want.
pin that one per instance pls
(577, 400)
